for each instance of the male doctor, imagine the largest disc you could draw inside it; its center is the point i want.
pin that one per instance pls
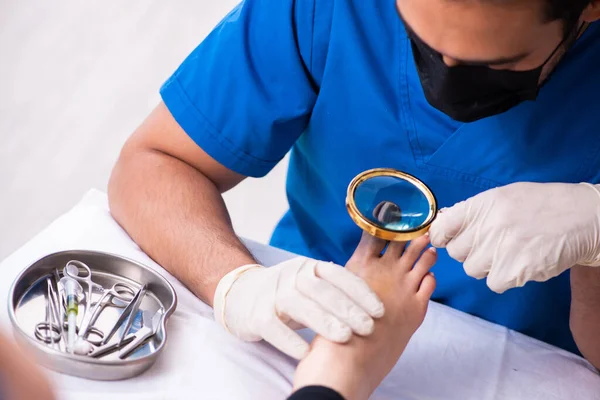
(492, 103)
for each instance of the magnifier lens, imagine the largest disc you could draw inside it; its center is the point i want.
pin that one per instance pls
(392, 203)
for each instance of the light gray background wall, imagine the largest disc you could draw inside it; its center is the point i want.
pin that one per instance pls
(76, 77)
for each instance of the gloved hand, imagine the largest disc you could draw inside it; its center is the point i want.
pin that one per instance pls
(522, 232)
(254, 303)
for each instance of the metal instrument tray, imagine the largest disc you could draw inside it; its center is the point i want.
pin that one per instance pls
(27, 307)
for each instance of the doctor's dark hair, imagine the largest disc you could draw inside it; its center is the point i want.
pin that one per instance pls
(568, 11)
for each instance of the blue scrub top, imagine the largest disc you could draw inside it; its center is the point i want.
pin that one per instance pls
(334, 82)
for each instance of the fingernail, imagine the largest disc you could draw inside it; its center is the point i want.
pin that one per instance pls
(432, 249)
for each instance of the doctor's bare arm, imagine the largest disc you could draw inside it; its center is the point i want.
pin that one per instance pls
(585, 311)
(165, 191)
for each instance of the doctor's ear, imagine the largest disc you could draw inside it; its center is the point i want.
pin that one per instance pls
(591, 12)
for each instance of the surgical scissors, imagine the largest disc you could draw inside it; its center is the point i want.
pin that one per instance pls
(72, 271)
(47, 332)
(119, 291)
(50, 331)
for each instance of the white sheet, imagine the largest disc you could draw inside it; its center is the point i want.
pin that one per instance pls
(452, 356)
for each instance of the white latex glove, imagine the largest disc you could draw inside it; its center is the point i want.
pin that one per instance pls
(254, 303)
(522, 232)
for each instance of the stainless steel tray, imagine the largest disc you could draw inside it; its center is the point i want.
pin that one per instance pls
(27, 307)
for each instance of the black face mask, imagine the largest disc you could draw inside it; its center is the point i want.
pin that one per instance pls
(467, 93)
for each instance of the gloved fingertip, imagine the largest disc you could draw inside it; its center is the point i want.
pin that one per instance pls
(447, 224)
(378, 310)
(365, 328)
(440, 237)
(439, 243)
(362, 324)
(299, 352)
(334, 330)
(496, 287)
(436, 237)
(342, 335)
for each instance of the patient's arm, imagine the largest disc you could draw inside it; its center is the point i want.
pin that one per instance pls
(355, 369)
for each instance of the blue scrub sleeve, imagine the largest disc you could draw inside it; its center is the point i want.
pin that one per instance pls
(245, 94)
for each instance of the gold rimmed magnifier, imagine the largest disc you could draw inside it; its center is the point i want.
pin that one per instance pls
(391, 204)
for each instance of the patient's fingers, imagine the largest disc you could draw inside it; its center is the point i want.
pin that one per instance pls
(369, 246)
(427, 287)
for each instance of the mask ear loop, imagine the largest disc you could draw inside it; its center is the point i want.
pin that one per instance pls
(569, 38)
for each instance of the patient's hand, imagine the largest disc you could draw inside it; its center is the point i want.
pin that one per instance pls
(402, 281)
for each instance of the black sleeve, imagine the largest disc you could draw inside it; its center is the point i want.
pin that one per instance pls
(315, 393)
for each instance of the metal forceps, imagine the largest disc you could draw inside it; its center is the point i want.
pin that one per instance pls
(50, 331)
(120, 295)
(150, 324)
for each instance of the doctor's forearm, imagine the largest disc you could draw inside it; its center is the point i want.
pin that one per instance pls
(585, 311)
(177, 216)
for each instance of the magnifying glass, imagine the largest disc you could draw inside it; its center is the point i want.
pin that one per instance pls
(390, 204)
